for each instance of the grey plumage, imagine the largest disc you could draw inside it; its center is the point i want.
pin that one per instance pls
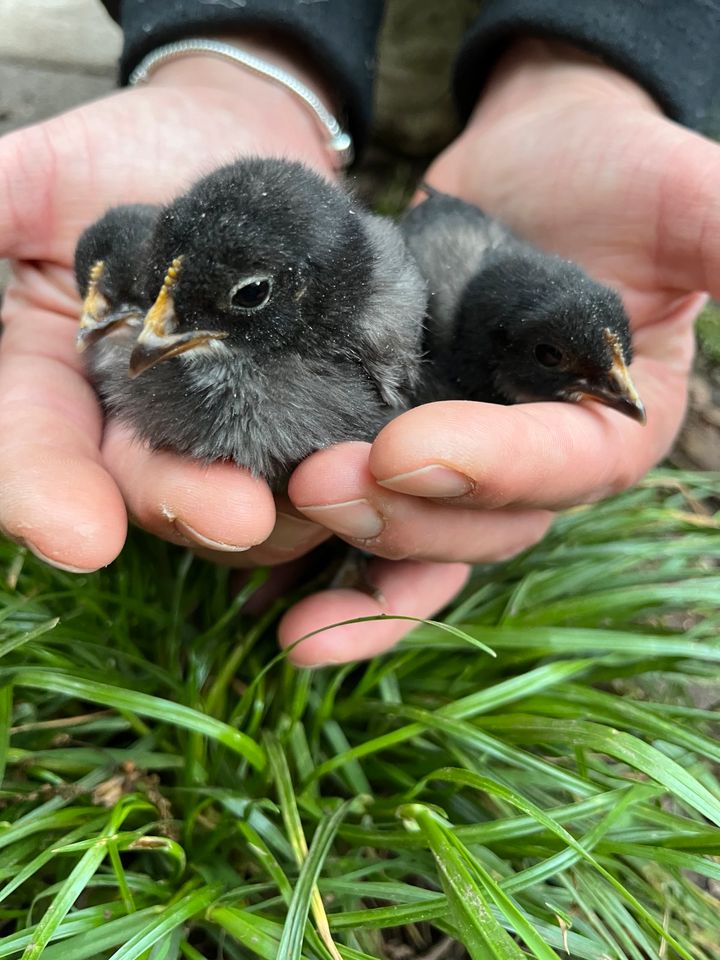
(297, 317)
(508, 323)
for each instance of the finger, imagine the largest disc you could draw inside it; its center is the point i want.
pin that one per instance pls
(684, 178)
(46, 192)
(408, 589)
(56, 177)
(398, 527)
(55, 495)
(218, 506)
(291, 538)
(539, 455)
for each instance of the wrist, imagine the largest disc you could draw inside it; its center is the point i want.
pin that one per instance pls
(261, 102)
(534, 71)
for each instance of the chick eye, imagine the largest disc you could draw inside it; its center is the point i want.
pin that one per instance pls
(548, 355)
(251, 294)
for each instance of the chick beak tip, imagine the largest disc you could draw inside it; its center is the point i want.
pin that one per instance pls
(154, 350)
(622, 394)
(616, 388)
(636, 411)
(90, 332)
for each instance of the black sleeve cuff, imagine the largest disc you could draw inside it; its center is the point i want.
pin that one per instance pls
(340, 36)
(668, 46)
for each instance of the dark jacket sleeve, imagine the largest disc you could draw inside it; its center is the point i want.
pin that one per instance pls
(669, 46)
(339, 35)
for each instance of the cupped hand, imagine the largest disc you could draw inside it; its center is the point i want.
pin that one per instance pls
(65, 487)
(579, 160)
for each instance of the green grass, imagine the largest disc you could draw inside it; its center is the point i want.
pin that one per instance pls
(708, 331)
(174, 789)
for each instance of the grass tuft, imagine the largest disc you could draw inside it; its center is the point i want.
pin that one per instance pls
(174, 789)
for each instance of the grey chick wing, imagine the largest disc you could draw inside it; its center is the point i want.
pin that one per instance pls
(288, 319)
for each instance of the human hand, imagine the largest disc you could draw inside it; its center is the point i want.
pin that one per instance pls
(579, 160)
(65, 488)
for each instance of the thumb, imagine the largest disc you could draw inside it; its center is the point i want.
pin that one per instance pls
(688, 216)
(28, 173)
(45, 189)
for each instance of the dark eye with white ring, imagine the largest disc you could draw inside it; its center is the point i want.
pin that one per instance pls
(251, 293)
(548, 355)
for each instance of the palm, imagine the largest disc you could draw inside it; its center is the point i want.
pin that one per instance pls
(136, 146)
(610, 190)
(599, 188)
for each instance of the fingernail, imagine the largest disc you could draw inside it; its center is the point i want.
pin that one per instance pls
(432, 481)
(291, 533)
(55, 563)
(319, 665)
(354, 518)
(185, 530)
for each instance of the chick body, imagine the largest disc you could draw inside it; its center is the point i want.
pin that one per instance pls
(508, 323)
(330, 354)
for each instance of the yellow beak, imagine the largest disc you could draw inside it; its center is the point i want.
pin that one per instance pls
(158, 341)
(97, 318)
(618, 390)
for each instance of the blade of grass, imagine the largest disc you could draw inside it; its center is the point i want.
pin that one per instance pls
(69, 891)
(482, 936)
(145, 705)
(163, 923)
(293, 827)
(306, 891)
(651, 761)
(13, 643)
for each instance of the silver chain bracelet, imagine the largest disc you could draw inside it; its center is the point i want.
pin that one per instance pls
(339, 141)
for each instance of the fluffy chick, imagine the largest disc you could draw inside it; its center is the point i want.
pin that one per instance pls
(508, 323)
(110, 261)
(288, 319)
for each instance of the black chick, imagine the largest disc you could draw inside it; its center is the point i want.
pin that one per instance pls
(288, 319)
(110, 263)
(508, 323)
